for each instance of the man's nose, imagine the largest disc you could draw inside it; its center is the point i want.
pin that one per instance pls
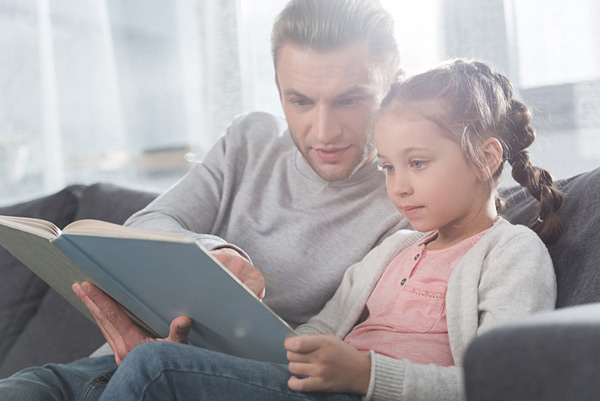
(326, 125)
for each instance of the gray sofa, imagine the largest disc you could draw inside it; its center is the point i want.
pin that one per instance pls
(537, 358)
(556, 355)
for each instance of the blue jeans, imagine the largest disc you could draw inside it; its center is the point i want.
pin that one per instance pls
(166, 371)
(81, 380)
(159, 371)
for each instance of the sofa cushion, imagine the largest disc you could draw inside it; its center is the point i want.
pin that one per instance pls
(56, 333)
(20, 290)
(548, 356)
(576, 255)
(112, 203)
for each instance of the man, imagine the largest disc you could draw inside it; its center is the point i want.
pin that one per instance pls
(300, 204)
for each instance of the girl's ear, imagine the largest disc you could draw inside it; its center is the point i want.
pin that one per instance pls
(491, 149)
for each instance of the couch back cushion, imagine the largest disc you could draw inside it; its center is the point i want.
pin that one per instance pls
(576, 255)
(21, 291)
(112, 203)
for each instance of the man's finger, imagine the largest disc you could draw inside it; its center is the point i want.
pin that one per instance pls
(256, 285)
(102, 323)
(116, 327)
(179, 330)
(242, 269)
(104, 309)
(89, 303)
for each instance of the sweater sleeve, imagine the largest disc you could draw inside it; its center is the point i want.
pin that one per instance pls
(191, 207)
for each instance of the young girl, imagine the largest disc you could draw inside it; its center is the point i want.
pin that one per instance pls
(403, 317)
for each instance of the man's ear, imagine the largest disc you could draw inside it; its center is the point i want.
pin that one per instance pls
(491, 149)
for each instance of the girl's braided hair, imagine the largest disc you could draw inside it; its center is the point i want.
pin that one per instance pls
(471, 103)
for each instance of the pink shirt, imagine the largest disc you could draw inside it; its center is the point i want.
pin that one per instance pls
(407, 309)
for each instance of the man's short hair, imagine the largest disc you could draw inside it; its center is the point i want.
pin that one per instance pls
(326, 25)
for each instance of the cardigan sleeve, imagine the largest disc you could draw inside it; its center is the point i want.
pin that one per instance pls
(394, 379)
(517, 279)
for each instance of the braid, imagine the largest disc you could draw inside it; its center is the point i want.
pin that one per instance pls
(537, 180)
(474, 102)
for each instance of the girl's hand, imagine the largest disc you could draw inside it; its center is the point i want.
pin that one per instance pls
(326, 363)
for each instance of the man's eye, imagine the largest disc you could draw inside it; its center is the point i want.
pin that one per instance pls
(301, 102)
(385, 168)
(349, 101)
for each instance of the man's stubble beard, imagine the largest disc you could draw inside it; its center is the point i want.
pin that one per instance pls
(360, 159)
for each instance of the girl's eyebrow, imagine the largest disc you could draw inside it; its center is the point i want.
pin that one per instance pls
(407, 151)
(415, 149)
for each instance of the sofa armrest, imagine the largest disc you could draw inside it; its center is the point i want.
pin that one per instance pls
(548, 356)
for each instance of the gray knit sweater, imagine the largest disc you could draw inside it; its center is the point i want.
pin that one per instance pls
(506, 275)
(254, 191)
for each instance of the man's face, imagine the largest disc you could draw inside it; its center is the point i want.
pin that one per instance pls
(328, 99)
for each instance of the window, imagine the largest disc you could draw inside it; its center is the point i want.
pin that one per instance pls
(131, 91)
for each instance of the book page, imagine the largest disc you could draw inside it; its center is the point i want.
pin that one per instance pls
(39, 227)
(105, 229)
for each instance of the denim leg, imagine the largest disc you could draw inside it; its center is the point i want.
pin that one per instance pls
(165, 371)
(83, 380)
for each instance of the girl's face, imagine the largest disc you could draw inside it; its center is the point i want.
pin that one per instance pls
(429, 180)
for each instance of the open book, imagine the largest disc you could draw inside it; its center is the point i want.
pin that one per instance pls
(155, 277)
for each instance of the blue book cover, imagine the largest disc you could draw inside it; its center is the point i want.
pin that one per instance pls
(156, 278)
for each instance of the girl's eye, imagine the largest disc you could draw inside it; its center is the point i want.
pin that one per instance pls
(418, 164)
(385, 168)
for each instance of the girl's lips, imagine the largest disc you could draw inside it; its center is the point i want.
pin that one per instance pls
(331, 155)
(411, 211)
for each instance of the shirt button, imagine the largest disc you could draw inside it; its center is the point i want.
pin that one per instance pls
(417, 256)
(403, 281)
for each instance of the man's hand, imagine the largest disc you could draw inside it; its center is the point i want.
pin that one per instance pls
(327, 364)
(242, 269)
(120, 332)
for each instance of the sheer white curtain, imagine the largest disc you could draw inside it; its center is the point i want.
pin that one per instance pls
(122, 91)
(550, 49)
